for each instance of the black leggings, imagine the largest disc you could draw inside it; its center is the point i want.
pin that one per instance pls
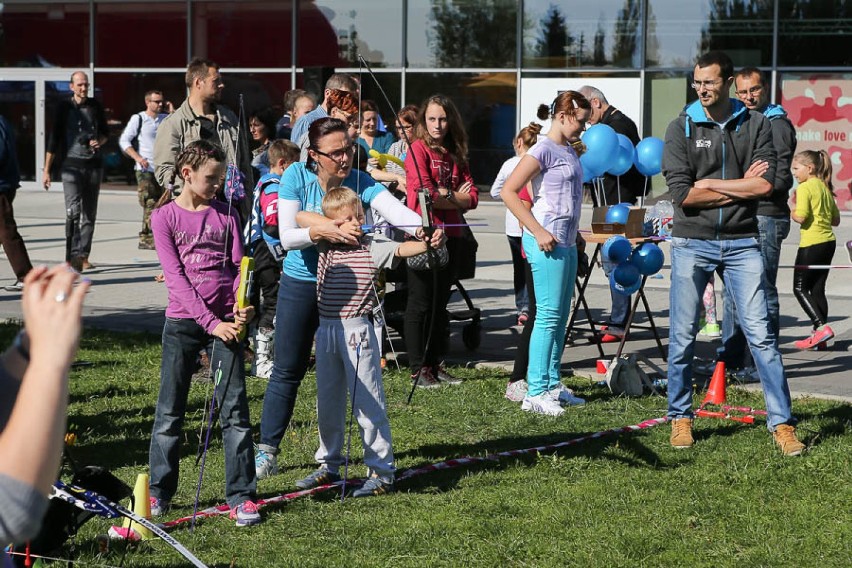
(809, 283)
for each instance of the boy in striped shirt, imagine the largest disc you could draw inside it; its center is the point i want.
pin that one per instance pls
(347, 348)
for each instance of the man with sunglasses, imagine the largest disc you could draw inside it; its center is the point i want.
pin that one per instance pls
(773, 221)
(79, 131)
(718, 162)
(137, 142)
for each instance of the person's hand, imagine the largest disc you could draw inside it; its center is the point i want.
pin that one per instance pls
(94, 143)
(400, 183)
(757, 169)
(436, 240)
(339, 231)
(170, 108)
(243, 316)
(143, 162)
(546, 241)
(53, 307)
(227, 331)
(373, 163)
(465, 187)
(46, 180)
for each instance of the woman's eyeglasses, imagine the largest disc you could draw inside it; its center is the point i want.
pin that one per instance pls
(338, 155)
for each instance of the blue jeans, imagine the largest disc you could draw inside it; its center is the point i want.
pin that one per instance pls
(773, 231)
(296, 322)
(553, 278)
(182, 340)
(741, 266)
(620, 303)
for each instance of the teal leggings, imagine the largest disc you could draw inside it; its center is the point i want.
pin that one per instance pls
(553, 278)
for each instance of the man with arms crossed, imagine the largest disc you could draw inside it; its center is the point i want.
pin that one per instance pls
(718, 162)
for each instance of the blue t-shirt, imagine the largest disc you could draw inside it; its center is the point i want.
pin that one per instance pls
(300, 184)
(381, 142)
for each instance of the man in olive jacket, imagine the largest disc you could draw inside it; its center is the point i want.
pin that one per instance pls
(718, 162)
(201, 117)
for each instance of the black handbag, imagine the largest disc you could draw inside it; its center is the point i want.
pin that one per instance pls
(464, 253)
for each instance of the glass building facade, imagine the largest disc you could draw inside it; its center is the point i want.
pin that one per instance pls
(490, 56)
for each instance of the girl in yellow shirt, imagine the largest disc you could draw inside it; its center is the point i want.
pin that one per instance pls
(817, 212)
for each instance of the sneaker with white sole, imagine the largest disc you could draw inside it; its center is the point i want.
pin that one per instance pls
(565, 396)
(542, 404)
(265, 464)
(246, 514)
(322, 476)
(18, 286)
(159, 507)
(374, 486)
(746, 375)
(710, 330)
(445, 377)
(517, 390)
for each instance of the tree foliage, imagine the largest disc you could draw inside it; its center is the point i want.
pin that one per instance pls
(473, 33)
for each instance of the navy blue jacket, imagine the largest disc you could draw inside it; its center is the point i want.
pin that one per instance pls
(10, 177)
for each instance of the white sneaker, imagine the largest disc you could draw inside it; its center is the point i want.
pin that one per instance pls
(565, 396)
(516, 391)
(542, 404)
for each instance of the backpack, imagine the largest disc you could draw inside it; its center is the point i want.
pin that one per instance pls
(625, 376)
(135, 141)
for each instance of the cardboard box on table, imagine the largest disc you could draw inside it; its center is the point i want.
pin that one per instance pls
(632, 229)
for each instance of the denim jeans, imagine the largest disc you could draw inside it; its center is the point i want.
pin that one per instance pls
(553, 277)
(741, 266)
(182, 340)
(620, 303)
(296, 322)
(773, 230)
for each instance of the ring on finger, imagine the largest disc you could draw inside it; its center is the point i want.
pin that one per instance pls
(60, 297)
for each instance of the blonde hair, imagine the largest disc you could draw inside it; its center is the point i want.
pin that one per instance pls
(821, 164)
(529, 135)
(338, 198)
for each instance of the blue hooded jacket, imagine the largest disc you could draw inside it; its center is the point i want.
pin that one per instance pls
(698, 148)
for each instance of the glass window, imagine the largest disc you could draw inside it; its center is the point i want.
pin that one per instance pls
(140, 34)
(391, 83)
(571, 34)
(342, 29)
(815, 105)
(17, 105)
(44, 35)
(462, 33)
(815, 33)
(487, 103)
(678, 32)
(253, 33)
(666, 93)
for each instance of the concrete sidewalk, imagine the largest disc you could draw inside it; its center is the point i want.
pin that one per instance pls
(126, 297)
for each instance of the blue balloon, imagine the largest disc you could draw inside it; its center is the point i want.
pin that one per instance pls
(648, 258)
(626, 274)
(623, 290)
(618, 214)
(601, 147)
(617, 249)
(590, 168)
(649, 156)
(624, 157)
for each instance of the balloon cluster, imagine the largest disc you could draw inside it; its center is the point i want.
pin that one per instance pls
(631, 264)
(608, 152)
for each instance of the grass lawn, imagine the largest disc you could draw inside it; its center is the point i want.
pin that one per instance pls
(625, 500)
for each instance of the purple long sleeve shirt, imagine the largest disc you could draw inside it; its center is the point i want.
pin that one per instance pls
(191, 249)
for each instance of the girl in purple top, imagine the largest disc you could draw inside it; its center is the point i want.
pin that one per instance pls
(199, 244)
(550, 234)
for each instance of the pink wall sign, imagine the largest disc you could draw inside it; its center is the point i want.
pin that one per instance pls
(820, 107)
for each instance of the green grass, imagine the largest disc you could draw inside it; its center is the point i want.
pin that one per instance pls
(627, 500)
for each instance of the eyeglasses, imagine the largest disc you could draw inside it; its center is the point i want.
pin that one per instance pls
(156, 102)
(752, 91)
(697, 85)
(338, 155)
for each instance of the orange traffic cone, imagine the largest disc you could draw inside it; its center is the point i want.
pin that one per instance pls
(716, 390)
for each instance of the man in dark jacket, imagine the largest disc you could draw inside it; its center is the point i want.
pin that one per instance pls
(79, 131)
(10, 178)
(623, 189)
(773, 220)
(718, 162)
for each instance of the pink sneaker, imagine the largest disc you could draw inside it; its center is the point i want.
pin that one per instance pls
(823, 334)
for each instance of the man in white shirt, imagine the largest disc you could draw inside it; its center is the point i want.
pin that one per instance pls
(137, 142)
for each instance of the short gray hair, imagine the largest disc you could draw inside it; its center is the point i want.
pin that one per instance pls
(593, 93)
